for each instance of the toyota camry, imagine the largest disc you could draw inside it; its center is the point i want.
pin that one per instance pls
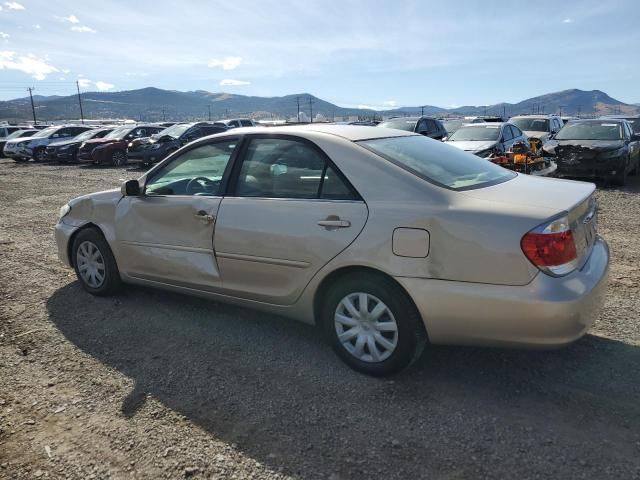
(389, 241)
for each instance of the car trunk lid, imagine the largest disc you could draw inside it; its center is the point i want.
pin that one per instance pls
(549, 198)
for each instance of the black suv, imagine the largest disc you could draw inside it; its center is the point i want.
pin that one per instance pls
(157, 147)
(427, 126)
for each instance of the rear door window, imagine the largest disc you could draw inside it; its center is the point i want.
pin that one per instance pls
(287, 168)
(507, 134)
(246, 123)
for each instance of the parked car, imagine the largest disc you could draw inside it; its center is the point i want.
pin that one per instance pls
(15, 134)
(487, 139)
(236, 122)
(67, 150)
(427, 126)
(453, 124)
(634, 121)
(155, 148)
(405, 251)
(112, 148)
(34, 147)
(605, 149)
(7, 130)
(538, 128)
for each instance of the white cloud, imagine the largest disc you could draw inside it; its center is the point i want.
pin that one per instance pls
(104, 86)
(71, 19)
(4, 35)
(229, 81)
(29, 64)
(37, 27)
(84, 82)
(567, 20)
(65, 70)
(227, 63)
(366, 107)
(390, 103)
(83, 29)
(13, 6)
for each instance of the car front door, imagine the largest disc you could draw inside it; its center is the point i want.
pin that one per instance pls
(166, 234)
(288, 212)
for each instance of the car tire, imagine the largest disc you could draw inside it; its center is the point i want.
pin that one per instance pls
(377, 347)
(39, 154)
(97, 272)
(118, 158)
(20, 160)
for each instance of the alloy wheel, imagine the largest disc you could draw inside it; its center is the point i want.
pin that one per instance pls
(118, 158)
(366, 327)
(91, 264)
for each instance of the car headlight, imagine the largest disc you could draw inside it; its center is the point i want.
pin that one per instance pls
(82, 145)
(155, 146)
(66, 147)
(64, 211)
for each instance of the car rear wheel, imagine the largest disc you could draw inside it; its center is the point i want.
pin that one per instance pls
(372, 324)
(94, 263)
(39, 155)
(118, 158)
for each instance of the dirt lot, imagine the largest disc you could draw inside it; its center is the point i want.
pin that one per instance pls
(155, 385)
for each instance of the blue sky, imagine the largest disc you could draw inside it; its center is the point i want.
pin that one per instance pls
(376, 53)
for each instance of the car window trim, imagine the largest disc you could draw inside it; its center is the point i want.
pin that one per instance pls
(232, 185)
(153, 173)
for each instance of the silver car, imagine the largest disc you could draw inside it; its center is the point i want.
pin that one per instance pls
(388, 240)
(487, 139)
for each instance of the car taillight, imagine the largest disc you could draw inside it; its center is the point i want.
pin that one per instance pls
(551, 247)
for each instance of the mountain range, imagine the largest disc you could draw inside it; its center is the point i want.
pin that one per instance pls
(154, 104)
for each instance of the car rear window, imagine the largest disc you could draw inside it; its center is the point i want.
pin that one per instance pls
(438, 163)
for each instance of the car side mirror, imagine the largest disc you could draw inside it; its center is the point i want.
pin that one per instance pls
(130, 188)
(635, 137)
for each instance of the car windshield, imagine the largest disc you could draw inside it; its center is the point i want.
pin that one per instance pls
(46, 132)
(86, 135)
(476, 133)
(438, 163)
(451, 126)
(399, 124)
(531, 124)
(174, 131)
(20, 133)
(119, 133)
(599, 130)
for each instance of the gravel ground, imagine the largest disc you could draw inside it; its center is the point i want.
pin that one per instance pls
(156, 385)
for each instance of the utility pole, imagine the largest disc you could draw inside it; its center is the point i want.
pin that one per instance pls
(33, 108)
(298, 104)
(311, 102)
(163, 114)
(504, 112)
(422, 111)
(80, 102)
(209, 107)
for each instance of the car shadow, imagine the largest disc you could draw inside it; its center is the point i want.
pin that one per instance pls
(275, 389)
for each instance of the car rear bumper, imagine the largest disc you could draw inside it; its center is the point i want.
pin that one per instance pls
(548, 312)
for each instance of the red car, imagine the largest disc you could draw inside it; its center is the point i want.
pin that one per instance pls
(112, 149)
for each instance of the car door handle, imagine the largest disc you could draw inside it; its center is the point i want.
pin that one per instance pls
(334, 223)
(202, 215)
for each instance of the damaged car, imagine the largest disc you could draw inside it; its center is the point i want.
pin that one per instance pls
(603, 149)
(157, 147)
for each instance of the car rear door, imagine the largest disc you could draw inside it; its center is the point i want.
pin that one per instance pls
(288, 212)
(166, 234)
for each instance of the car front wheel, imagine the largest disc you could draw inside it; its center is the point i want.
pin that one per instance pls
(372, 324)
(118, 158)
(94, 263)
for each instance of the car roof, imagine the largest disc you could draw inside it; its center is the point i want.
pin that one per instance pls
(534, 116)
(348, 132)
